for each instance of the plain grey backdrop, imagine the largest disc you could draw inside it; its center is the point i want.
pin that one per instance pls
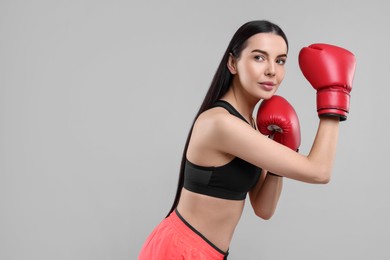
(96, 100)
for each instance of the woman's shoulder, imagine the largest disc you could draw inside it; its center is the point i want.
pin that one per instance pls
(217, 120)
(213, 117)
(218, 130)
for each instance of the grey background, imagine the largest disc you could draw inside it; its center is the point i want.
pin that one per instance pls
(97, 97)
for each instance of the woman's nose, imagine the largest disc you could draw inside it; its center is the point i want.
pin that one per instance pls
(270, 70)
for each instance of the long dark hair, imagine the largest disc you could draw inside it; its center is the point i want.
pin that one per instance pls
(223, 78)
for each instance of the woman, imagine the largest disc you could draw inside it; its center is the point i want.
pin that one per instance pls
(224, 148)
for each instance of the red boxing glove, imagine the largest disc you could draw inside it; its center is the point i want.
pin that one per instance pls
(278, 119)
(330, 70)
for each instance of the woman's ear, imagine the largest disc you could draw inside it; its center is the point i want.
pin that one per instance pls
(231, 64)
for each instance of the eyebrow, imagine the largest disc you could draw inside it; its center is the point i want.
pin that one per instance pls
(267, 54)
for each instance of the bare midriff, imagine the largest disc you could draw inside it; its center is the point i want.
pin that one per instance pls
(215, 218)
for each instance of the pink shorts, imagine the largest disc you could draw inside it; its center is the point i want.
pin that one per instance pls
(174, 238)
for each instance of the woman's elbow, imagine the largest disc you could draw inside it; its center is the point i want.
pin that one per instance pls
(264, 214)
(322, 177)
(324, 180)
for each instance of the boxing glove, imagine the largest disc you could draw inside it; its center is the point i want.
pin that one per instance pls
(278, 119)
(330, 70)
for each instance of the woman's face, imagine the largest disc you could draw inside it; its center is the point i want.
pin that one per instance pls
(260, 69)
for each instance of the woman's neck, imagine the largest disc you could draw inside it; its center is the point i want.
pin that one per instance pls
(242, 103)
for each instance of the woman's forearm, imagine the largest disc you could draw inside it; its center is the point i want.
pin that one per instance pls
(268, 196)
(323, 151)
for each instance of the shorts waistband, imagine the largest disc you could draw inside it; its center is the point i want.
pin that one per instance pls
(180, 221)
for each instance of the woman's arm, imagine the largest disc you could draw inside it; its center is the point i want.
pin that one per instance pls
(323, 150)
(230, 135)
(265, 195)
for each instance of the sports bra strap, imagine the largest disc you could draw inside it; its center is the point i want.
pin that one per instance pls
(229, 108)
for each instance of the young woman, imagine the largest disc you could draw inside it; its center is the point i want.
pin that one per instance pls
(225, 156)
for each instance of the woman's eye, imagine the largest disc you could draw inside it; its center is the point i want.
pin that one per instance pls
(259, 58)
(281, 61)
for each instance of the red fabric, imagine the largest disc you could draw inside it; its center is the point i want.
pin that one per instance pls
(172, 239)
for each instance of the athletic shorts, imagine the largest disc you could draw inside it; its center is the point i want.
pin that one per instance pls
(174, 238)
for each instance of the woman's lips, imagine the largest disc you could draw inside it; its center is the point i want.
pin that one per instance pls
(267, 85)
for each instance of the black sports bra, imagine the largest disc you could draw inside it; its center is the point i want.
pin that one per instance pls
(231, 181)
